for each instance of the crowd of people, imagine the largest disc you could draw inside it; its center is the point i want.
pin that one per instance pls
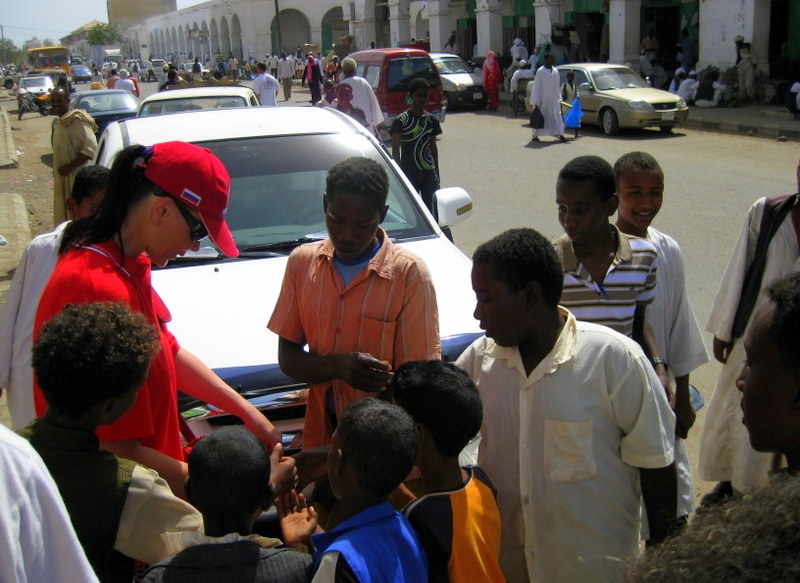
(549, 450)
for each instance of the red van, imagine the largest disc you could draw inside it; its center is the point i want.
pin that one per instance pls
(390, 71)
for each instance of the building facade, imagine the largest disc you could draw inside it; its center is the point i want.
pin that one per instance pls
(605, 30)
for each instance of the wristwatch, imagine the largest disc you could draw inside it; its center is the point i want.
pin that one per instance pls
(656, 360)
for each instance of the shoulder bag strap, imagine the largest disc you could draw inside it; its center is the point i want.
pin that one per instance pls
(775, 210)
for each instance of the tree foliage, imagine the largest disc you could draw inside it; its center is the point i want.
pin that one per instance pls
(11, 53)
(103, 34)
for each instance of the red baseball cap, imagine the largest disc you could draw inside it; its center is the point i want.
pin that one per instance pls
(197, 178)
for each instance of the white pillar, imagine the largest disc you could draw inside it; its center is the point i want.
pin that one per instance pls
(721, 22)
(623, 31)
(547, 13)
(489, 26)
(440, 22)
(400, 28)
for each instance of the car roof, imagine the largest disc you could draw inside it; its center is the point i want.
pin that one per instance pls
(205, 91)
(592, 66)
(242, 122)
(445, 56)
(100, 92)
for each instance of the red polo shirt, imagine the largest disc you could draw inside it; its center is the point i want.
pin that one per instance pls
(94, 274)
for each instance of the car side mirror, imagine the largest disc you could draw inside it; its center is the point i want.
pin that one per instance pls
(453, 205)
(585, 87)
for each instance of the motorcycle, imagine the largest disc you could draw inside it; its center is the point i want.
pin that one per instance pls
(30, 102)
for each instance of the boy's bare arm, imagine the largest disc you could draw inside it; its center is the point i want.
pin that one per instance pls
(660, 496)
(357, 369)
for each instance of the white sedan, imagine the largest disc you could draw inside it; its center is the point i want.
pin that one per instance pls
(179, 99)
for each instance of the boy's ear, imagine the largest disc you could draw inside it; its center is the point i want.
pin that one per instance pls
(612, 204)
(533, 293)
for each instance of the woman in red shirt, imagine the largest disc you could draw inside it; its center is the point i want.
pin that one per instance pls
(162, 200)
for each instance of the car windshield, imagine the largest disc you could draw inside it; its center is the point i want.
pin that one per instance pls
(403, 71)
(97, 103)
(159, 107)
(277, 185)
(617, 78)
(43, 82)
(448, 66)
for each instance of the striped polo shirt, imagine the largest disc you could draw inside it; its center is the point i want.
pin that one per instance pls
(630, 281)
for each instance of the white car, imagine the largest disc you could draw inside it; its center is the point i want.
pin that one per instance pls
(278, 158)
(38, 85)
(198, 98)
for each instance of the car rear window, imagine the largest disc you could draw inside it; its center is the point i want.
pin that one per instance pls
(403, 70)
(159, 107)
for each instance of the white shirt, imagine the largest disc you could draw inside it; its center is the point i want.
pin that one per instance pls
(37, 540)
(285, 68)
(563, 446)
(16, 323)
(678, 334)
(267, 87)
(126, 84)
(520, 74)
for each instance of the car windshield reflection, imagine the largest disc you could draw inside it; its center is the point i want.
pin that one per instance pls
(617, 79)
(277, 187)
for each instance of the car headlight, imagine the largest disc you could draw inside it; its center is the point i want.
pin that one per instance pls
(460, 87)
(680, 104)
(640, 105)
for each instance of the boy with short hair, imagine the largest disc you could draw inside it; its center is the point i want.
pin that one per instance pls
(457, 519)
(770, 377)
(414, 143)
(229, 472)
(640, 190)
(361, 304)
(30, 277)
(90, 361)
(576, 429)
(373, 450)
(609, 277)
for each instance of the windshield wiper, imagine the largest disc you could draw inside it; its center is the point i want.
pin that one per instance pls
(278, 245)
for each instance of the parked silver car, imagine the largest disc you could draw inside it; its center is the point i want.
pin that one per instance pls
(460, 83)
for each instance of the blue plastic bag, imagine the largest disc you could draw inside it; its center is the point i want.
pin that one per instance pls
(572, 119)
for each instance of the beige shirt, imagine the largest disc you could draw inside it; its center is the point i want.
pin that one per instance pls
(73, 134)
(563, 446)
(150, 510)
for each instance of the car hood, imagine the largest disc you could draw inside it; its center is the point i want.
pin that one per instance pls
(462, 78)
(220, 309)
(648, 94)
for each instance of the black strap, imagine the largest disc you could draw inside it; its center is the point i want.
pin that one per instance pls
(775, 210)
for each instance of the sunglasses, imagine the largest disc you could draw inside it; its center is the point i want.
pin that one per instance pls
(197, 230)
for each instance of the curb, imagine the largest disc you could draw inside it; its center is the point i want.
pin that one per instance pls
(763, 130)
(15, 228)
(8, 153)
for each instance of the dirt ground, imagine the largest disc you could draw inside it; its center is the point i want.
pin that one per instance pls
(33, 177)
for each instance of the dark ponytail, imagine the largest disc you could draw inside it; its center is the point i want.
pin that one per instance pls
(126, 186)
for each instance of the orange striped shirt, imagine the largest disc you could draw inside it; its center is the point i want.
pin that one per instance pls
(388, 310)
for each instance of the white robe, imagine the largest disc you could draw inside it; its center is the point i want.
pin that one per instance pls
(364, 99)
(725, 451)
(16, 324)
(546, 95)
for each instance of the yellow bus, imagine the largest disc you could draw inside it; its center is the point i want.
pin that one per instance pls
(41, 58)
